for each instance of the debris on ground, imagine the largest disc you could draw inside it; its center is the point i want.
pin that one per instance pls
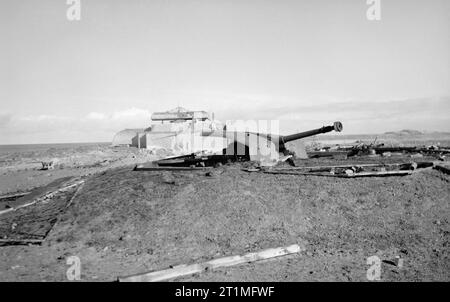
(183, 270)
(30, 220)
(47, 165)
(120, 222)
(351, 170)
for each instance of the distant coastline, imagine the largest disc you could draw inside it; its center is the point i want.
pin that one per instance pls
(12, 148)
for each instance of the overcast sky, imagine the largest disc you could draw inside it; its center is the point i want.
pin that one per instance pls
(306, 63)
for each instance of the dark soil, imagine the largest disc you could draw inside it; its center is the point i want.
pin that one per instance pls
(126, 222)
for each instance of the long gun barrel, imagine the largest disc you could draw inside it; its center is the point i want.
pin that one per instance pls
(337, 126)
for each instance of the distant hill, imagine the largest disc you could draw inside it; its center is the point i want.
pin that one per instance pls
(403, 135)
(405, 132)
(408, 132)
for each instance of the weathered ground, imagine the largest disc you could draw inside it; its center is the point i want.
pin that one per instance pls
(21, 171)
(125, 222)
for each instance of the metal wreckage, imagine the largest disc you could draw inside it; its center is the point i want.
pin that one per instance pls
(197, 140)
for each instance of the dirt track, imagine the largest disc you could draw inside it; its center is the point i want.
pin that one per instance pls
(126, 222)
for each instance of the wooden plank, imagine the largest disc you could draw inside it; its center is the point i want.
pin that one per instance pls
(315, 154)
(142, 168)
(344, 166)
(17, 195)
(377, 173)
(74, 195)
(343, 175)
(313, 170)
(6, 211)
(20, 241)
(183, 270)
(301, 173)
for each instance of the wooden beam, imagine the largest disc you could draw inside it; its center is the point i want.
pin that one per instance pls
(17, 195)
(20, 241)
(315, 154)
(321, 168)
(377, 173)
(183, 270)
(6, 211)
(143, 168)
(301, 173)
(343, 175)
(349, 166)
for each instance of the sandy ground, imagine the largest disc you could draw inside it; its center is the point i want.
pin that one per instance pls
(21, 172)
(126, 222)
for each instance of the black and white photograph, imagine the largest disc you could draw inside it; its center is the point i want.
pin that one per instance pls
(203, 143)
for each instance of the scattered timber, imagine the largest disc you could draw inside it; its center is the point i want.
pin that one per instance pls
(14, 196)
(327, 168)
(183, 270)
(351, 170)
(20, 241)
(299, 173)
(44, 197)
(344, 175)
(377, 173)
(6, 211)
(144, 168)
(31, 225)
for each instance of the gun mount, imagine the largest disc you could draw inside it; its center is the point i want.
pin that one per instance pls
(266, 148)
(185, 133)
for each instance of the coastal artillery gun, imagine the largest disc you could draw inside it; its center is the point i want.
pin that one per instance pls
(267, 149)
(195, 137)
